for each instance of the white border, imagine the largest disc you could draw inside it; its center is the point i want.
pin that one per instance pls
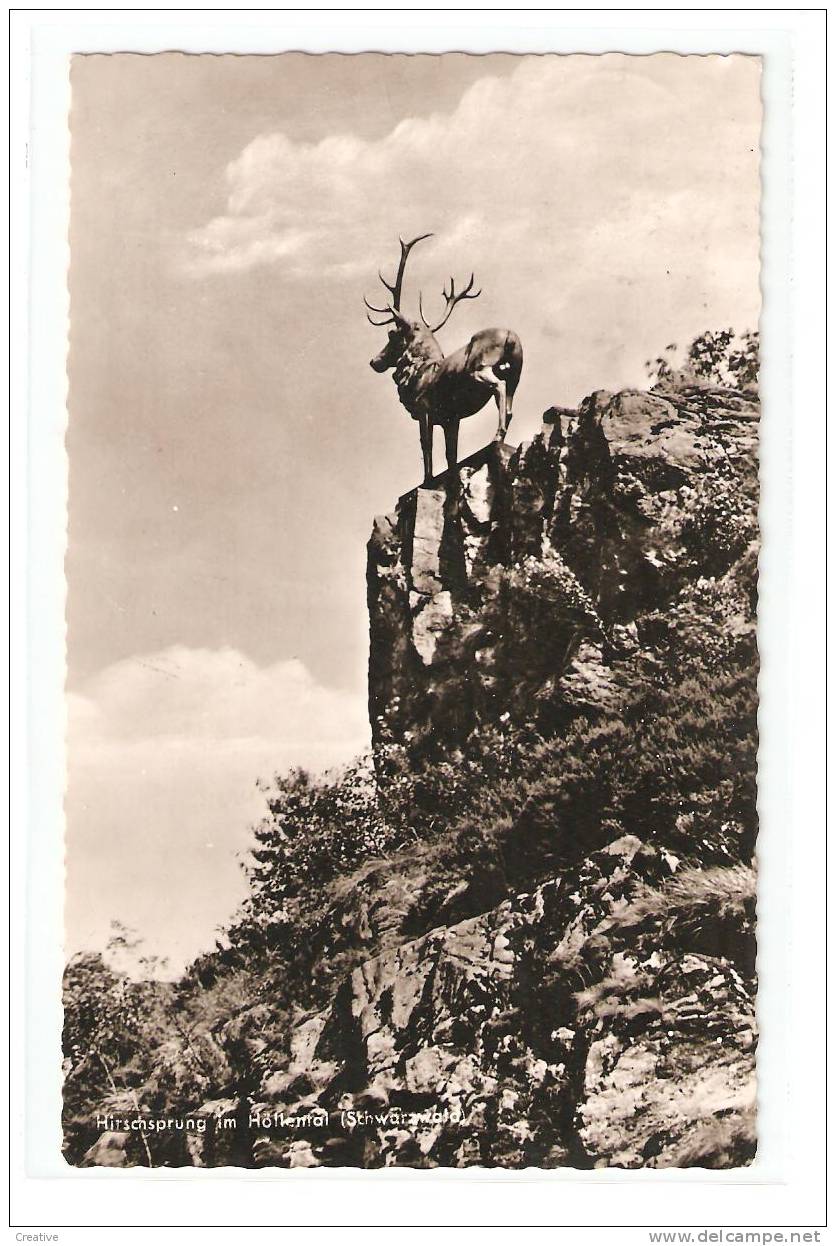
(785, 1185)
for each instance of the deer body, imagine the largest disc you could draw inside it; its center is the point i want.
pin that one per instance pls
(441, 390)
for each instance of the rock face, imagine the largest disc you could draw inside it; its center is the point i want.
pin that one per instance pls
(523, 582)
(561, 1028)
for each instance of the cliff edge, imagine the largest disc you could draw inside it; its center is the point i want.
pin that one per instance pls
(525, 584)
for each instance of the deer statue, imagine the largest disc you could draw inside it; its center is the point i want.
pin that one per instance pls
(439, 389)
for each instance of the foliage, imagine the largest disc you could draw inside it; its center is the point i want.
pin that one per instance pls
(716, 357)
(695, 895)
(545, 590)
(312, 831)
(676, 768)
(317, 831)
(113, 1026)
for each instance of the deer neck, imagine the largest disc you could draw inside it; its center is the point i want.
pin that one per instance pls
(416, 367)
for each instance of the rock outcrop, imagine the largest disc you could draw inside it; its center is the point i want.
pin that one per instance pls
(523, 583)
(563, 1027)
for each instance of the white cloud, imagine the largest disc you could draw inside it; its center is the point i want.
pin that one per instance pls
(549, 161)
(199, 698)
(164, 753)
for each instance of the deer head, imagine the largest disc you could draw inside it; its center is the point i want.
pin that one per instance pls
(405, 331)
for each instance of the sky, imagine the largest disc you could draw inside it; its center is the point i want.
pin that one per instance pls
(228, 443)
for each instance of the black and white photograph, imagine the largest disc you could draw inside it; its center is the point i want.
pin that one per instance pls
(411, 808)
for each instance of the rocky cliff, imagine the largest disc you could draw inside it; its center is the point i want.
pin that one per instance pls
(603, 1013)
(564, 1027)
(522, 585)
(533, 944)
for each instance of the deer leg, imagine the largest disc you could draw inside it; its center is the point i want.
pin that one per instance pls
(451, 444)
(502, 404)
(508, 404)
(425, 428)
(488, 378)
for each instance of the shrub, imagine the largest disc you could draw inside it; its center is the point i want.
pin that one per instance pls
(720, 524)
(716, 357)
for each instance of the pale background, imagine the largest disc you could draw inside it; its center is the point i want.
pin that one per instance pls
(228, 443)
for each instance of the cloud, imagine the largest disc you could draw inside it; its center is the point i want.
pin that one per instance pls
(164, 753)
(559, 160)
(199, 698)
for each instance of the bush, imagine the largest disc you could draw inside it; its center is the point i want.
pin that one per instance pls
(720, 524)
(716, 357)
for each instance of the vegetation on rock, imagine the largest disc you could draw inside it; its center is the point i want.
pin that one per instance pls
(533, 905)
(718, 357)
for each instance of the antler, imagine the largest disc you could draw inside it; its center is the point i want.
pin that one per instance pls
(451, 299)
(391, 310)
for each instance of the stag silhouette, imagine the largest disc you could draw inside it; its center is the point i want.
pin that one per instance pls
(442, 390)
